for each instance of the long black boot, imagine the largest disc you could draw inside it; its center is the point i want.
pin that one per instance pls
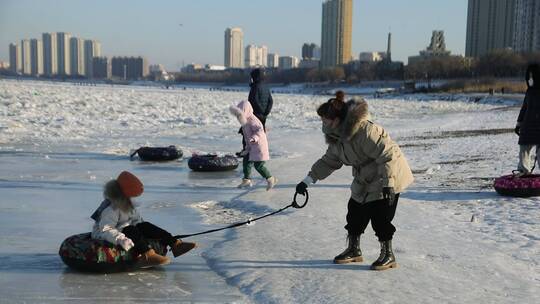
(352, 253)
(386, 259)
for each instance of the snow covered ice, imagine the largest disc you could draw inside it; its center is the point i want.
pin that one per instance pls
(59, 143)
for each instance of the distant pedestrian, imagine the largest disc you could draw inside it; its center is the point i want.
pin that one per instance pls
(340, 95)
(260, 99)
(380, 173)
(256, 151)
(528, 122)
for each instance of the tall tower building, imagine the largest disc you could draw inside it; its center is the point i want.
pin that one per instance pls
(36, 57)
(336, 32)
(527, 26)
(15, 55)
(76, 50)
(272, 60)
(256, 56)
(50, 54)
(234, 48)
(64, 62)
(92, 49)
(490, 26)
(26, 57)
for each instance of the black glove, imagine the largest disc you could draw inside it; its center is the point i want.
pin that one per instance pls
(389, 195)
(516, 130)
(301, 188)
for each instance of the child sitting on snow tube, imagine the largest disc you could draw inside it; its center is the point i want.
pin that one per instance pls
(119, 222)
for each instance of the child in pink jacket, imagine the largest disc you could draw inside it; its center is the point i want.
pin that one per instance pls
(256, 145)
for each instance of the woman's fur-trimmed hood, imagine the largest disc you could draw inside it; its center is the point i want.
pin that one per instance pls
(242, 111)
(357, 113)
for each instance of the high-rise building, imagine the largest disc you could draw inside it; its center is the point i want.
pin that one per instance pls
(36, 57)
(101, 68)
(50, 54)
(272, 60)
(64, 62)
(92, 49)
(490, 26)
(26, 59)
(527, 26)
(336, 42)
(234, 48)
(311, 51)
(129, 68)
(256, 56)
(15, 59)
(288, 62)
(77, 60)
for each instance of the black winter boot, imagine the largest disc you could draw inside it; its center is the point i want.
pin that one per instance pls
(352, 253)
(386, 259)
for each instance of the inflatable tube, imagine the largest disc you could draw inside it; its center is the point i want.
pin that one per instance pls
(83, 253)
(523, 186)
(212, 163)
(158, 153)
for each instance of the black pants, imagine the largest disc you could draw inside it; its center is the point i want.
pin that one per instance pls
(379, 212)
(141, 232)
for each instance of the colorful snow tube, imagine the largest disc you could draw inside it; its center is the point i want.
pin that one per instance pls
(158, 153)
(212, 163)
(522, 186)
(83, 253)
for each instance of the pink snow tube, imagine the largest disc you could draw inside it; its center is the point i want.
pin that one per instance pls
(523, 186)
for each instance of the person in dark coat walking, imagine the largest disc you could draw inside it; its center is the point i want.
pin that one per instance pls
(528, 122)
(260, 99)
(260, 96)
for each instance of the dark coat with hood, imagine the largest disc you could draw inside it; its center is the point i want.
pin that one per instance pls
(259, 96)
(529, 116)
(376, 160)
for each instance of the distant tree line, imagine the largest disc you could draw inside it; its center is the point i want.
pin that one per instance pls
(497, 64)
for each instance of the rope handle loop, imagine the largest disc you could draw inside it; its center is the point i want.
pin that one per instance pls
(295, 204)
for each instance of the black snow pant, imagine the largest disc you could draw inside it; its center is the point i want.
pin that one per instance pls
(379, 212)
(141, 232)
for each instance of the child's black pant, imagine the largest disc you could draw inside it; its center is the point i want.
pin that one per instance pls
(141, 232)
(379, 212)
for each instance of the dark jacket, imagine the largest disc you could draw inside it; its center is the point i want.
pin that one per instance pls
(259, 96)
(529, 116)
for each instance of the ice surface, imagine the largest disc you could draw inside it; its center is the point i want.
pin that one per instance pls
(59, 143)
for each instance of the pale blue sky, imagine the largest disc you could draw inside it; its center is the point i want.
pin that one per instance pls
(152, 28)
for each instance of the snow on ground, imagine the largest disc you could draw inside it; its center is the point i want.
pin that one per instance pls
(457, 240)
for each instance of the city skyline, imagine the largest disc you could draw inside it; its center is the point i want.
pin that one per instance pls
(174, 33)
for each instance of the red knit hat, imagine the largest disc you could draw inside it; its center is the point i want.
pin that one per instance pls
(131, 186)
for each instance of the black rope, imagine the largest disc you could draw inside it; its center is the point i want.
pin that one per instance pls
(294, 204)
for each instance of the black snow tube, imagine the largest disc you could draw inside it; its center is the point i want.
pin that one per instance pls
(212, 163)
(158, 153)
(518, 186)
(83, 253)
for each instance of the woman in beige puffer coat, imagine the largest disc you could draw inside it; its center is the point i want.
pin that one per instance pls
(380, 172)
